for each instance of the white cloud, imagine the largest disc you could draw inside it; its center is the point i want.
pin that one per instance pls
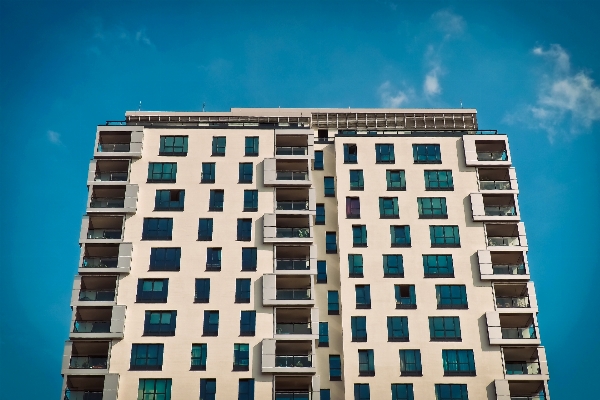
(116, 36)
(431, 86)
(391, 98)
(448, 22)
(140, 36)
(53, 137)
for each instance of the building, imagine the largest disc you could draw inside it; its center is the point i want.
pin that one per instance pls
(298, 254)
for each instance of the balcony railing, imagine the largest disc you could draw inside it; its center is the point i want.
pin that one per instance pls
(96, 295)
(82, 395)
(492, 156)
(113, 147)
(519, 333)
(293, 361)
(292, 264)
(292, 395)
(291, 150)
(508, 269)
(292, 294)
(299, 205)
(504, 241)
(111, 176)
(100, 262)
(301, 328)
(104, 234)
(91, 327)
(494, 185)
(522, 368)
(512, 302)
(106, 202)
(540, 396)
(292, 175)
(502, 211)
(88, 362)
(293, 232)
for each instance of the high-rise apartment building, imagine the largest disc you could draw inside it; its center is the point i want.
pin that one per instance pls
(297, 254)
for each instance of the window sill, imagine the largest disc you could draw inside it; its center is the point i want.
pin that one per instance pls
(333, 312)
(359, 340)
(201, 301)
(145, 368)
(366, 373)
(401, 245)
(218, 154)
(398, 189)
(163, 269)
(438, 245)
(198, 368)
(357, 189)
(172, 154)
(253, 209)
(406, 306)
(251, 155)
(331, 251)
(352, 216)
(205, 239)
(243, 240)
(161, 181)
(323, 344)
(411, 373)
(433, 216)
(241, 368)
(207, 181)
(389, 217)
(393, 275)
(350, 162)
(385, 162)
(244, 181)
(161, 238)
(248, 333)
(460, 373)
(319, 223)
(428, 162)
(359, 245)
(363, 306)
(335, 378)
(215, 209)
(445, 339)
(355, 276)
(318, 169)
(147, 301)
(210, 334)
(439, 275)
(399, 339)
(249, 269)
(168, 209)
(329, 195)
(242, 301)
(158, 334)
(450, 189)
(453, 307)
(213, 268)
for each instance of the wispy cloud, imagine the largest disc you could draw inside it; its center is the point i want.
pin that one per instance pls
(449, 23)
(391, 98)
(53, 137)
(117, 36)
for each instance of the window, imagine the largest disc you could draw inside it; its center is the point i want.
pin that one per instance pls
(247, 323)
(400, 235)
(209, 172)
(242, 290)
(388, 207)
(250, 200)
(218, 145)
(205, 229)
(208, 389)
(439, 180)
(355, 265)
(330, 242)
(451, 296)
(335, 368)
(323, 334)
(320, 215)
(395, 179)
(325, 394)
(438, 266)
(427, 154)
(361, 390)
(432, 207)
(165, 258)
(405, 296)
(329, 185)
(246, 389)
(410, 363)
(333, 302)
(244, 230)
(199, 353)
(213, 259)
(444, 236)
(384, 153)
(202, 290)
(352, 207)
(347, 132)
(397, 329)
(402, 391)
(393, 266)
(162, 172)
(350, 154)
(152, 290)
(146, 357)
(211, 323)
(458, 362)
(154, 389)
(363, 296)
(216, 199)
(173, 146)
(321, 271)
(251, 146)
(451, 392)
(318, 159)
(444, 329)
(160, 323)
(359, 235)
(241, 357)
(357, 180)
(169, 200)
(359, 329)
(323, 134)
(246, 170)
(366, 363)
(157, 229)
(249, 259)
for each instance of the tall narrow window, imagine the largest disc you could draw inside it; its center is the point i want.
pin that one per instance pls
(202, 290)
(318, 160)
(451, 392)
(400, 235)
(160, 323)
(165, 258)
(323, 334)
(213, 259)
(357, 180)
(216, 200)
(242, 290)
(384, 153)
(355, 265)
(330, 242)
(244, 230)
(198, 356)
(321, 271)
(427, 154)
(211, 323)
(152, 291)
(451, 296)
(251, 149)
(397, 329)
(329, 185)
(395, 179)
(335, 368)
(208, 389)
(388, 207)
(162, 172)
(361, 390)
(359, 235)
(146, 357)
(205, 229)
(350, 154)
(352, 207)
(320, 215)
(363, 296)
(438, 266)
(444, 236)
(218, 145)
(444, 329)
(249, 260)
(333, 302)
(405, 296)
(157, 229)
(366, 363)
(439, 180)
(154, 389)
(247, 323)
(169, 200)
(393, 266)
(173, 146)
(432, 207)
(458, 362)
(246, 389)
(359, 328)
(241, 357)
(250, 200)
(208, 173)
(246, 172)
(410, 363)
(402, 391)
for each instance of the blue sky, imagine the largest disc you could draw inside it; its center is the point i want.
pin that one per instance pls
(530, 68)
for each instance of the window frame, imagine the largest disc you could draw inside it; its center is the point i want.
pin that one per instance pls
(359, 236)
(440, 387)
(202, 290)
(205, 394)
(161, 175)
(446, 184)
(358, 326)
(458, 362)
(357, 180)
(250, 324)
(397, 328)
(388, 208)
(161, 204)
(391, 184)
(250, 200)
(159, 329)
(388, 269)
(144, 383)
(320, 214)
(333, 302)
(150, 296)
(407, 388)
(362, 390)
(216, 200)
(146, 347)
(318, 164)
(208, 176)
(410, 366)
(355, 265)
(335, 367)
(363, 296)
(249, 258)
(246, 389)
(219, 145)
(394, 238)
(427, 153)
(449, 324)
(243, 288)
(328, 186)
(366, 362)
(162, 231)
(205, 233)
(352, 207)
(432, 212)
(251, 146)
(176, 150)
(214, 259)
(387, 156)
(202, 348)
(165, 263)
(321, 271)
(427, 267)
(241, 357)
(447, 240)
(350, 157)
(210, 328)
(244, 230)
(451, 297)
(402, 300)
(323, 334)
(246, 175)
(331, 247)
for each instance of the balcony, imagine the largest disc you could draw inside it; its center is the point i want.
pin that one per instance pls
(512, 329)
(493, 151)
(84, 357)
(101, 229)
(494, 180)
(296, 387)
(506, 236)
(296, 323)
(106, 259)
(98, 322)
(515, 295)
(295, 201)
(489, 207)
(295, 260)
(523, 363)
(285, 290)
(521, 389)
(113, 199)
(284, 357)
(287, 229)
(94, 290)
(503, 265)
(90, 387)
(119, 142)
(287, 172)
(298, 145)
(108, 172)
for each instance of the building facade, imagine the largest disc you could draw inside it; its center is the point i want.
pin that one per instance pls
(297, 254)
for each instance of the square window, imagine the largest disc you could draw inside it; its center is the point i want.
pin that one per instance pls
(451, 392)
(208, 389)
(325, 394)
(363, 296)
(439, 180)
(444, 236)
(251, 148)
(250, 200)
(444, 329)
(244, 230)
(427, 154)
(359, 329)
(165, 258)
(451, 296)
(218, 145)
(405, 296)
(213, 259)
(395, 179)
(333, 302)
(329, 185)
(216, 200)
(173, 146)
(246, 172)
(352, 207)
(320, 215)
(357, 180)
(198, 356)
(160, 323)
(209, 172)
(202, 290)
(361, 390)
(400, 235)
(154, 389)
(323, 334)
(246, 389)
(384, 154)
(205, 229)
(402, 391)
(330, 242)
(388, 207)
(438, 266)
(169, 200)
(162, 172)
(157, 229)
(241, 357)
(432, 207)
(242, 290)
(393, 266)
(410, 363)
(350, 154)
(366, 365)
(321, 271)
(146, 357)
(397, 329)
(359, 235)
(249, 259)
(335, 368)
(458, 362)
(211, 323)
(247, 323)
(355, 265)
(318, 160)
(152, 291)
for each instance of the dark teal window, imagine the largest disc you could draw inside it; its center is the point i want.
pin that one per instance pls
(173, 146)
(366, 364)
(251, 148)
(321, 271)
(325, 394)
(211, 323)
(318, 159)
(347, 132)
(165, 258)
(160, 323)
(410, 363)
(218, 145)
(246, 170)
(384, 153)
(432, 207)
(146, 357)
(397, 329)
(330, 242)
(359, 329)
(152, 290)
(198, 356)
(157, 229)
(427, 154)
(205, 229)
(162, 172)
(355, 265)
(439, 180)
(216, 199)
(363, 296)
(388, 207)
(357, 180)
(393, 266)
(352, 207)
(335, 368)
(400, 235)
(329, 185)
(438, 266)
(246, 389)
(244, 230)
(213, 259)
(209, 172)
(359, 235)
(402, 391)
(202, 290)
(242, 290)
(458, 362)
(241, 357)
(208, 389)
(249, 259)
(405, 296)
(247, 323)
(333, 302)
(320, 215)
(350, 154)
(154, 389)
(395, 179)
(451, 392)
(444, 236)
(250, 200)
(444, 328)
(169, 200)
(361, 390)
(323, 334)
(451, 296)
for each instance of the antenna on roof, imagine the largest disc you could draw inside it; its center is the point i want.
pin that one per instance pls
(140, 106)
(461, 103)
(203, 105)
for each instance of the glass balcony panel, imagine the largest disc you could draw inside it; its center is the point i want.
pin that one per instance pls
(291, 150)
(111, 176)
(519, 333)
(508, 269)
(104, 234)
(92, 327)
(504, 241)
(293, 361)
(292, 264)
(300, 205)
(522, 368)
(502, 211)
(292, 294)
(302, 328)
(512, 302)
(107, 203)
(492, 156)
(292, 175)
(100, 262)
(534, 397)
(97, 295)
(82, 395)
(293, 232)
(88, 362)
(494, 185)
(113, 147)
(292, 395)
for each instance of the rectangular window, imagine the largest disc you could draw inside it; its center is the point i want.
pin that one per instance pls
(444, 329)
(393, 266)
(439, 180)
(395, 179)
(330, 242)
(384, 154)
(397, 329)
(152, 291)
(218, 145)
(165, 258)
(400, 235)
(216, 199)
(444, 236)
(169, 200)
(241, 357)
(388, 207)
(320, 215)
(329, 185)
(325, 394)
(157, 229)
(162, 172)
(359, 235)
(438, 266)
(160, 323)
(451, 392)
(244, 230)
(366, 363)
(350, 154)
(154, 389)
(242, 290)
(357, 180)
(451, 296)
(247, 323)
(402, 391)
(427, 154)
(318, 160)
(211, 323)
(363, 296)
(202, 290)
(213, 259)
(246, 389)
(432, 207)
(146, 357)
(458, 362)
(321, 271)
(405, 296)
(410, 363)
(249, 259)
(209, 172)
(335, 368)
(346, 132)
(198, 356)
(173, 146)
(251, 148)
(333, 302)
(359, 329)
(250, 200)
(246, 171)
(323, 334)
(361, 390)
(205, 229)
(208, 389)
(355, 265)
(352, 207)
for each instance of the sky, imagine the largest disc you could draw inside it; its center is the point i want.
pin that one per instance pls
(530, 68)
